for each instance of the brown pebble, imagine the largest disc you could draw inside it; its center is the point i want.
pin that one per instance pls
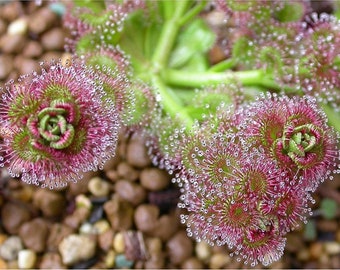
(53, 39)
(154, 179)
(13, 215)
(112, 163)
(57, 232)
(32, 49)
(219, 260)
(179, 248)
(327, 225)
(131, 192)
(315, 250)
(51, 203)
(126, 171)
(6, 65)
(294, 242)
(192, 263)
(51, 260)
(105, 240)
(119, 213)
(41, 20)
(12, 43)
(34, 234)
(136, 153)
(81, 187)
(26, 65)
(146, 216)
(51, 56)
(167, 226)
(11, 10)
(77, 217)
(3, 27)
(156, 258)
(3, 264)
(112, 175)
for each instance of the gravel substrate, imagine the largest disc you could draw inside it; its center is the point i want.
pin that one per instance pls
(124, 216)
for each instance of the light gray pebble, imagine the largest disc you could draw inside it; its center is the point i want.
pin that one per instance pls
(75, 248)
(10, 248)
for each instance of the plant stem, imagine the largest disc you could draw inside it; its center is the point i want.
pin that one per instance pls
(168, 36)
(200, 79)
(171, 104)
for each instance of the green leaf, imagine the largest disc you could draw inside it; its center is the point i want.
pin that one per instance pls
(310, 232)
(196, 38)
(328, 208)
(291, 11)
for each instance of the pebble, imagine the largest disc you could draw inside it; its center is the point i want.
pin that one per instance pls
(57, 233)
(80, 187)
(53, 39)
(12, 43)
(332, 248)
(327, 225)
(105, 240)
(11, 11)
(315, 250)
(98, 187)
(32, 49)
(134, 246)
(167, 226)
(219, 260)
(75, 248)
(126, 171)
(3, 27)
(34, 234)
(87, 228)
(118, 243)
(110, 259)
(77, 217)
(51, 203)
(179, 248)
(3, 264)
(6, 66)
(146, 216)
(41, 20)
(122, 262)
(13, 215)
(3, 238)
(83, 201)
(26, 65)
(18, 26)
(26, 259)
(10, 248)
(51, 260)
(136, 154)
(192, 263)
(112, 163)
(203, 251)
(154, 179)
(131, 192)
(119, 213)
(101, 226)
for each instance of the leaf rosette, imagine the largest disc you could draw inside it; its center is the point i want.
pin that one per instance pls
(57, 126)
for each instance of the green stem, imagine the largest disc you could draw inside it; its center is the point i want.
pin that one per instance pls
(200, 79)
(333, 116)
(193, 12)
(170, 102)
(168, 36)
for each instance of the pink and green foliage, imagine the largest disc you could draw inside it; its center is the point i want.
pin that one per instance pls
(249, 185)
(57, 126)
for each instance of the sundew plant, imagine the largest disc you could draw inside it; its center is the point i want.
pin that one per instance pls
(238, 100)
